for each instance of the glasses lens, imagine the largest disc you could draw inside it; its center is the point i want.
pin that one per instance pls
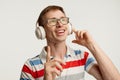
(64, 20)
(52, 22)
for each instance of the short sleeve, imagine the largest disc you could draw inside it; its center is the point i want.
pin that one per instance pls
(26, 73)
(90, 61)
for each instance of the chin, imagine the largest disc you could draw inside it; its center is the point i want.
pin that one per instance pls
(63, 38)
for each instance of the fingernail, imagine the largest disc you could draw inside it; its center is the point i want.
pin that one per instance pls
(64, 63)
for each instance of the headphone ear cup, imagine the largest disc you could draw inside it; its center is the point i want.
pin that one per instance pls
(40, 33)
(69, 28)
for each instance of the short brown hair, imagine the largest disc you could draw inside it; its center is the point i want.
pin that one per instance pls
(44, 11)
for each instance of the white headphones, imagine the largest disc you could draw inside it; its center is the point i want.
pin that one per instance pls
(40, 32)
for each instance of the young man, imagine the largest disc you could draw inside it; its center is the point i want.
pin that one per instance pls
(58, 61)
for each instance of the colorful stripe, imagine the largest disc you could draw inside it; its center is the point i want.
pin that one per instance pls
(75, 66)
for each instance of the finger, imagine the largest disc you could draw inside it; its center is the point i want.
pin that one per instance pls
(56, 71)
(74, 30)
(58, 66)
(48, 54)
(82, 33)
(75, 41)
(78, 36)
(60, 61)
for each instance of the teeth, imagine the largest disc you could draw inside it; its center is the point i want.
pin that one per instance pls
(61, 31)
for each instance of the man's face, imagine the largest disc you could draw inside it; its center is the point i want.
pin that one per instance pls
(59, 31)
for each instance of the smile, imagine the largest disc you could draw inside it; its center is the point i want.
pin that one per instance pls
(60, 32)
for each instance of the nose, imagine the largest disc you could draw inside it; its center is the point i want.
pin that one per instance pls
(59, 24)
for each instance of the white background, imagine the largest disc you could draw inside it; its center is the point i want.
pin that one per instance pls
(17, 24)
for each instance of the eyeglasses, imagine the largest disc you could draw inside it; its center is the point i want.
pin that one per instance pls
(54, 21)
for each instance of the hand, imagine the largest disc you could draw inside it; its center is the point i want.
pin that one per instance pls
(82, 37)
(52, 67)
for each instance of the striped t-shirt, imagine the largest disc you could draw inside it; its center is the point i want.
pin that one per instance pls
(77, 62)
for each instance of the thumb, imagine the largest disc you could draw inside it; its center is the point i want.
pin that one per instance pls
(74, 30)
(75, 41)
(48, 53)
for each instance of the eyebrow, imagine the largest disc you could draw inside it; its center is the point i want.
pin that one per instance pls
(56, 18)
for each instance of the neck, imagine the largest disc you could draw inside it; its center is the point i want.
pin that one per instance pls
(58, 49)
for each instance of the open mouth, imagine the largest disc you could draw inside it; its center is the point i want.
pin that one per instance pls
(60, 32)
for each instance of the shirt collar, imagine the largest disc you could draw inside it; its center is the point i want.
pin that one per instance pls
(44, 53)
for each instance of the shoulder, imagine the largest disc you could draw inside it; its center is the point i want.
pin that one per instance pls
(32, 65)
(33, 61)
(79, 52)
(37, 60)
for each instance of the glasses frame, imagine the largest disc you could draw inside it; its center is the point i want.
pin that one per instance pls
(60, 20)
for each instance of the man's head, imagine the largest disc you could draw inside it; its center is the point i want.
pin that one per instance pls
(42, 17)
(55, 23)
